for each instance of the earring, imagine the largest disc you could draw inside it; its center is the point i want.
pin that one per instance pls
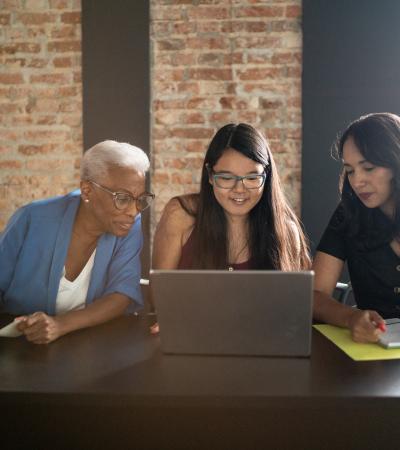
(86, 200)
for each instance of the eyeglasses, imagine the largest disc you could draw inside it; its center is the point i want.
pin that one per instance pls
(124, 201)
(229, 181)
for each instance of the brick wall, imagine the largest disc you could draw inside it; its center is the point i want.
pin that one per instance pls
(40, 100)
(213, 62)
(221, 61)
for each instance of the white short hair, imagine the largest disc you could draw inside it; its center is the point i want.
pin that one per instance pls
(99, 159)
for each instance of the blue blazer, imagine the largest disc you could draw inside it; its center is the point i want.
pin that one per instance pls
(33, 249)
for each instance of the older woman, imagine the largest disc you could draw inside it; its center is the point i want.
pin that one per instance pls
(72, 262)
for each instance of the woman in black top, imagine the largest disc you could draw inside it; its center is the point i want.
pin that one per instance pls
(364, 230)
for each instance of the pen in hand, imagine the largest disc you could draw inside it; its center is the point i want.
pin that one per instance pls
(381, 326)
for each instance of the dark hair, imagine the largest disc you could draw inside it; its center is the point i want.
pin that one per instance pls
(274, 229)
(377, 137)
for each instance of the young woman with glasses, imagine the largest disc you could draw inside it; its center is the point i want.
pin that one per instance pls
(240, 219)
(74, 261)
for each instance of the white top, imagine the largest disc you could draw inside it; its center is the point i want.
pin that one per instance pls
(72, 294)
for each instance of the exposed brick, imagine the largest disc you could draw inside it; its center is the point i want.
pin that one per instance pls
(36, 149)
(50, 78)
(210, 74)
(5, 19)
(191, 133)
(64, 46)
(11, 78)
(36, 18)
(11, 164)
(259, 11)
(207, 43)
(293, 11)
(64, 32)
(71, 17)
(207, 12)
(62, 62)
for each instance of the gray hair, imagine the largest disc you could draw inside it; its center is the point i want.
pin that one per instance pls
(97, 161)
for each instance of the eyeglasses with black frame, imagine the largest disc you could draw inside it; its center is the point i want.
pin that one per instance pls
(122, 200)
(229, 181)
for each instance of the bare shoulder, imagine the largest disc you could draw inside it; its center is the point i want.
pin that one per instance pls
(176, 218)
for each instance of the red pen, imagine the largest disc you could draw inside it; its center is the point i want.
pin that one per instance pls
(381, 326)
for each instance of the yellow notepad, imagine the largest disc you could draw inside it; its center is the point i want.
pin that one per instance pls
(359, 352)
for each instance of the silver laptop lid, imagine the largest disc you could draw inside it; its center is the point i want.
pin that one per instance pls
(234, 313)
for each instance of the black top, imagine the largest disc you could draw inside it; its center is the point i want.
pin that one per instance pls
(374, 267)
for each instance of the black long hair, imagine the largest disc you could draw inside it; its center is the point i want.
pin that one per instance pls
(276, 239)
(377, 137)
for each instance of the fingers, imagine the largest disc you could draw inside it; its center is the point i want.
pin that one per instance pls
(38, 328)
(365, 326)
(155, 329)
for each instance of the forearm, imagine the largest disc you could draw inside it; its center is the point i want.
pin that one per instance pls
(328, 310)
(100, 311)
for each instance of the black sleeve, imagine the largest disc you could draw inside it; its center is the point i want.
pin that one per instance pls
(333, 240)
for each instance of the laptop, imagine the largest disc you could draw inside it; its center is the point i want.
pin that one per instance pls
(391, 337)
(217, 312)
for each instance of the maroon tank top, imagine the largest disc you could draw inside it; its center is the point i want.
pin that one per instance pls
(187, 258)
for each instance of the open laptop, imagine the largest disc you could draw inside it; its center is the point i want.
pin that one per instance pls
(215, 312)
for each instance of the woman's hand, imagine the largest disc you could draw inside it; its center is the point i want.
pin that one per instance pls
(366, 326)
(39, 328)
(154, 329)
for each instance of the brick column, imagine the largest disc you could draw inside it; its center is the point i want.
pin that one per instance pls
(40, 100)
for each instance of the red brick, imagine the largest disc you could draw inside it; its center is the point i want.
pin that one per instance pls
(20, 47)
(15, 62)
(258, 74)
(46, 120)
(10, 164)
(11, 78)
(195, 117)
(169, 104)
(210, 74)
(233, 103)
(36, 18)
(5, 19)
(176, 163)
(8, 108)
(171, 44)
(209, 27)
(207, 12)
(50, 78)
(183, 27)
(293, 11)
(71, 17)
(64, 46)
(62, 62)
(63, 32)
(59, 4)
(182, 177)
(188, 87)
(202, 103)
(207, 43)
(254, 42)
(37, 63)
(29, 150)
(47, 164)
(160, 178)
(22, 120)
(191, 133)
(259, 11)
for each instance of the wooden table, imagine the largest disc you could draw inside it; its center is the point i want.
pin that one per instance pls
(111, 387)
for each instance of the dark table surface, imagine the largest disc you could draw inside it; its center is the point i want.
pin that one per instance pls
(119, 367)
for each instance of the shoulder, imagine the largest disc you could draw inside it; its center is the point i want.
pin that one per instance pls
(178, 216)
(52, 205)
